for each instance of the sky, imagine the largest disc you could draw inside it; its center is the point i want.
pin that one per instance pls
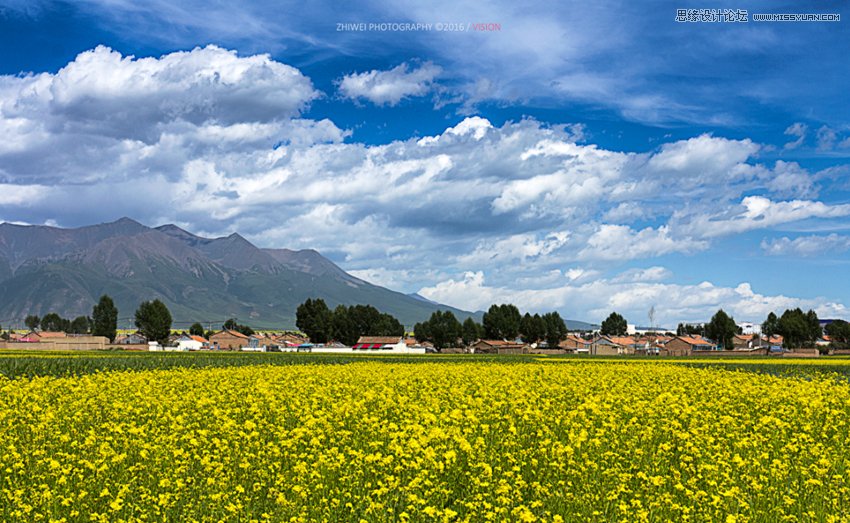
(584, 157)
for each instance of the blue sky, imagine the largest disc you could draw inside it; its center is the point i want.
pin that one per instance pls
(583, 157)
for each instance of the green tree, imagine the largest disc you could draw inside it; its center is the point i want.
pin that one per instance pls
(722, 329)
(104, 317)
(555, 330)
(314, 318)
(350, 323)
(532, 328)
(52, 322)
(32, 322)
(80, 325)
(614, 325)
(422, 331)
(770, 325)
(815, 330)
(196, 330)
(502, 322)
(796, 328)
(471, 331)
(232, 325)
(443, 329)
(838, 332)
(153, 319)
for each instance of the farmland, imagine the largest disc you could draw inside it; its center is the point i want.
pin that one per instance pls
(277, 437)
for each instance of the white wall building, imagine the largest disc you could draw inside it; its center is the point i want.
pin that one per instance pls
(749, 328)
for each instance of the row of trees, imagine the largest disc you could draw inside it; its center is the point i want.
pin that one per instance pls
(153, 319)
(499, 322)
(102, 322)
(345, 323)
(798, 329)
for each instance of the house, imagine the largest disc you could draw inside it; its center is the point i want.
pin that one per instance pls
(743, 341)
(36, 336)
(229, 340)
(191, 342)
(131, 339)
(575, 344)
(386, 344)
(686, 345)
(612, 345)
(288, 339)
(498, 347)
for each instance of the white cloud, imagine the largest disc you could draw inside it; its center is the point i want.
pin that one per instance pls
(704, 157)
(620, 242)
(516, 248)
(167, 140)
(806, 245)
(826, 138)
(674, 303)
(392, 86)
(799, 130)
(643, 275)
(758, 212)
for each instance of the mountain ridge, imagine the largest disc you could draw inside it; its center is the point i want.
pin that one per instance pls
(50, 269)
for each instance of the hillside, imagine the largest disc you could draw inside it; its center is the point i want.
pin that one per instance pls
(45, 269)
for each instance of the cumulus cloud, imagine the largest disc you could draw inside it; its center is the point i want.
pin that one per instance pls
(620, 242)
(218, 142)
(806, 245)
(758, 212)
(392, 86)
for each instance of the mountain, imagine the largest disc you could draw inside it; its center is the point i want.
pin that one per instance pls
(49, 269)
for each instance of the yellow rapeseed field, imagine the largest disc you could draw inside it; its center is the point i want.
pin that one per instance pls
(444, 441)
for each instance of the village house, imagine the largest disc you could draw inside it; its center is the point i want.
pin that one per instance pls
(289, 340)
(686, 345)
(612, 345)
(37, 336)
(192, 342)
(379, 342)
(229, 340)
(575, 345)
(131, 339)
(498, 347)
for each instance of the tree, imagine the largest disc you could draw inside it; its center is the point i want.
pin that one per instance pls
(104, 317)
(614, 325)
(52, 322)
(532, 328)
(471, 331)
(231, 325)
(838, 332)
(555, 329)
(798, 329)
(815, 330)
(422, 331)
(80, 325)
(32, 322)
(442, 329)
(196, 330)
(153, 319)
(770, 325)
(502, 322)
(350, 323)
(722, 329)
(313, 318)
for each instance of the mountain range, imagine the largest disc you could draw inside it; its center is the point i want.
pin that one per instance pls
(49, 269)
